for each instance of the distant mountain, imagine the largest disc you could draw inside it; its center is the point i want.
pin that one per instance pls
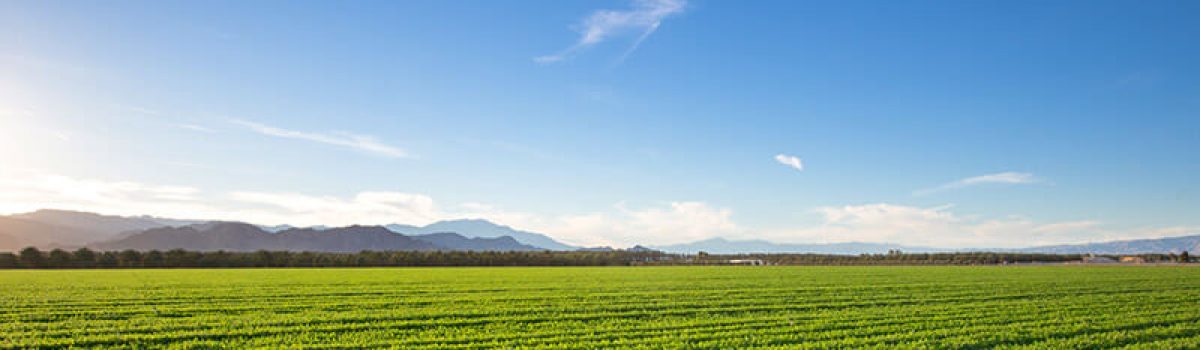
(455, 241)
(1156, 245)
(105, 224)
(279, 228)
(475, 228)
(19, 233)
(276, 228)
(48, 228)
(724, 246)
(228, 236)
(596, 249)
(240, 237)
(641, 249)
(348, 239)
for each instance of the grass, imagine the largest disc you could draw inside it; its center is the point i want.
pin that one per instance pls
(649, 307)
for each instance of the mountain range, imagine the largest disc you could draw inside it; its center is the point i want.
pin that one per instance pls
(240, 237)
(50, 229)
(482, 229)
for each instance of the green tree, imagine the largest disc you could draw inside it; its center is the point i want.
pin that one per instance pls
(1183, 257)
(107, 259)
(176, 258)
(8, 260)
(59, 259)
(84, 257)
(152, 258)
(129, 258)
(31, 257)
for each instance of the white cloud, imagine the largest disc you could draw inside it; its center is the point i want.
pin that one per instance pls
(791, 161)
(674, 222)
(359, 142)
(27, 191)
(998, 178)
(679, 222)
(365, 208)
(940, 227)
(619, 226)
(644, 18)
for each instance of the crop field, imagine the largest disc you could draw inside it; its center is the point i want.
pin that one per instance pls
(642, 307)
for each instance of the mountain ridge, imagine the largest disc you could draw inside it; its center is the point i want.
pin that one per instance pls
(50, 228)
(243, 237)
(479, 228)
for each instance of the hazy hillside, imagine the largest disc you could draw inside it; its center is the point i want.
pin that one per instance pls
(1158, 245)
(240, 237)
(105, 224)
(227, 236)
(485, 229)
(69, 229)
(48, 228)
(347, 239)
(455, 241)
(19, 233)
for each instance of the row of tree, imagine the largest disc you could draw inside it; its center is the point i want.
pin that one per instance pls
(32, 258)
(87, 258)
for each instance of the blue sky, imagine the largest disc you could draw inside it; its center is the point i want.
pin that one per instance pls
(962, 124)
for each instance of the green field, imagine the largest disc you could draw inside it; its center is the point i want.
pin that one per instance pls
(649, 307)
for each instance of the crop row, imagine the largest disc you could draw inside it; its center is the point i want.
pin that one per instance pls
(670, 307)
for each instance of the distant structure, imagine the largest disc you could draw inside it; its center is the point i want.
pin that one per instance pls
(1133, 259)
(751, 262)
(1098, 260)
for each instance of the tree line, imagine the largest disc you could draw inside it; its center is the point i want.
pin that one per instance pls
(33, 258)
(176, 258)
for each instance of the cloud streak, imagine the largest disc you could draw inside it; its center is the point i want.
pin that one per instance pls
(791, 161)
(644, 18)
(1012, 178)
(194, 127)
(343, 139)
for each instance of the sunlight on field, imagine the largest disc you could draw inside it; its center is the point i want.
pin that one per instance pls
(715, 307)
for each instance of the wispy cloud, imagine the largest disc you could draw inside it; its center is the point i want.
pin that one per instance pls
(344, 139)
(194, 127)
(791, 161)
(997, 178)
(644, 18)
(142, 110)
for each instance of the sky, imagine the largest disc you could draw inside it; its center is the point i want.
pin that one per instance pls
(935, 123)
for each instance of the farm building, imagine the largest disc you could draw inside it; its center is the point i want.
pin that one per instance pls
(1098, 260)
